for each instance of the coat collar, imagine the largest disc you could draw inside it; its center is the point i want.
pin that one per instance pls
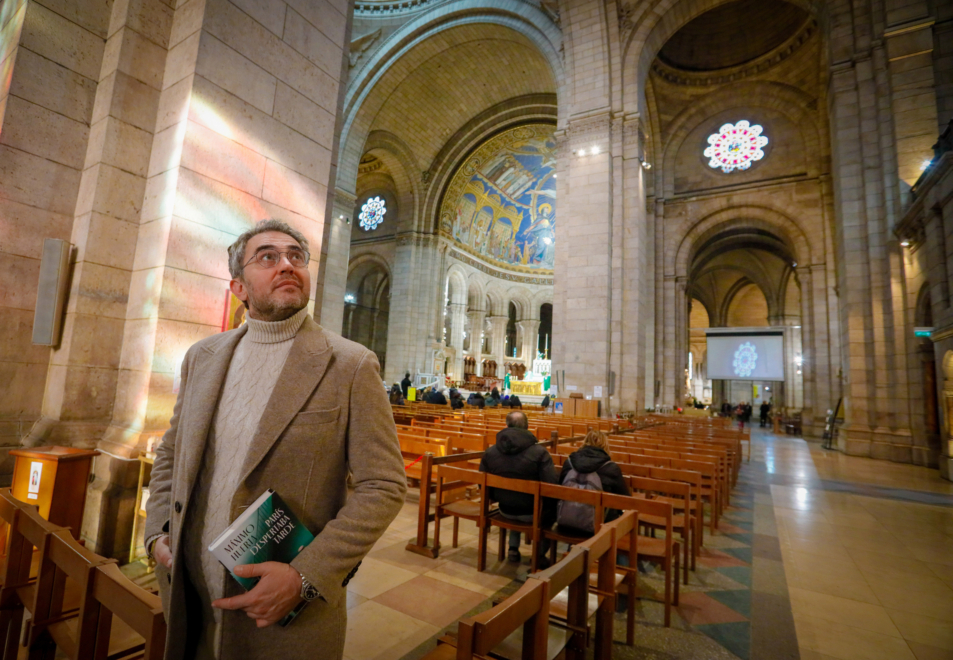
(304, 368)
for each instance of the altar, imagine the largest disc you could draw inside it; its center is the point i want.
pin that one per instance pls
(526, 387)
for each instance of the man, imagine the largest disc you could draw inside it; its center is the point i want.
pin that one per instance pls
(765, 409)
(278, 403)
(405, 384)
(517, 455)
(438, 398)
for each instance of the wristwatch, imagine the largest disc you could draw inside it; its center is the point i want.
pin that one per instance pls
(308, 591)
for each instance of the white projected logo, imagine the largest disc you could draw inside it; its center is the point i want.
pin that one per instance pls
(746, 357)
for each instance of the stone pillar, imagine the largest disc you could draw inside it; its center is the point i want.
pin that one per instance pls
(869, 274)
(336, 247)
(498, 342)
(530, 331)
(458, 316)
(477, 320)
(415, 291)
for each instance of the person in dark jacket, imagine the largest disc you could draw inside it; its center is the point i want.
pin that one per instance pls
(765, 409)
(517, 455)
(476, 399)
(594, 456)
(456, 400)
(493, 399)
(747, 413)
(545, 402)
(405, 384)
(515, 402)
(396, 398)
(438, 398)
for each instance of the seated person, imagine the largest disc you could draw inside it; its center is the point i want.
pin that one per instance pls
(594, 457)
(491, 400)
(545, 402)
(476, 399)
(396, 395)
(517, 455)
(515, 402)
(438, 398)
(456, 401)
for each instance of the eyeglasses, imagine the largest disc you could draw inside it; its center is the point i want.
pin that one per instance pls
(270, 258)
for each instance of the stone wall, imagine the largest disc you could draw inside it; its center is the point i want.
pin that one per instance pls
(191, 121)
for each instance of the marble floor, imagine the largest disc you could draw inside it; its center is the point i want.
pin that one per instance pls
(824, 556)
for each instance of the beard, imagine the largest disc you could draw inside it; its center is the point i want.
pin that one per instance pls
(273, 307)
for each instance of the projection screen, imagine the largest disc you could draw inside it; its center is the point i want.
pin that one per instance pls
(742, 354)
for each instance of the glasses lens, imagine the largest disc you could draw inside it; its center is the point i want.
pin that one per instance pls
(268, 258)
(298, 258)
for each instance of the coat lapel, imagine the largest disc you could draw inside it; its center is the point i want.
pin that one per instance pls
(305, 366)
(206, 380)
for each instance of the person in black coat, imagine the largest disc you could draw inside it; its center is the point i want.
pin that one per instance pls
(456, 401)
(515, 402)
(545, 402)
(405, 384)
(476, 399)
(517, 455)
(437, 397)
(765, 409)
(594, 456)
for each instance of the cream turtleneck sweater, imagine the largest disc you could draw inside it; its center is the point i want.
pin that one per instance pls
(252, 374)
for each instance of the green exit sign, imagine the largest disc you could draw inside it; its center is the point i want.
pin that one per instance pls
(922, 332)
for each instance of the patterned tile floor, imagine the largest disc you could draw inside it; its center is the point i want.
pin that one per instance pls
(820, 556)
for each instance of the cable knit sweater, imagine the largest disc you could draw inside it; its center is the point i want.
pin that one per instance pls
(252, 374)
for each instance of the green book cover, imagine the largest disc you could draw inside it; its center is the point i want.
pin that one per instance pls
(267, 531)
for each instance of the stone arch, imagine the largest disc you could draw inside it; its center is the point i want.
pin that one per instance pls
(457, 286)
(402, 166)
(530, 22)
(364, 260)
(508, 114)
(476, 295)
(651, 25)
(786, 100)
(523, 301)
(743, 217)
(498, 301)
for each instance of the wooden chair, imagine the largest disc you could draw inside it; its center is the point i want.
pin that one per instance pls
(477, 636)
(625, 533)
(452, 483)
(21, 591)
(664, 551)
(679, 496)
(497, 519)
(140, 612)
(569, 595)
(602, 562)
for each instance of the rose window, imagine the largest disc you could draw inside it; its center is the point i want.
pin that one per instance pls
(735, 146)
(746, 357)
(372, 213)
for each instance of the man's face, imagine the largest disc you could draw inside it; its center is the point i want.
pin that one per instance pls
(272, 294)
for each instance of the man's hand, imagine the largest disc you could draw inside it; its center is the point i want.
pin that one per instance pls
(161, 551)
(276, 593)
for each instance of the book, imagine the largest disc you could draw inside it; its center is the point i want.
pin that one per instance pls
(267, 531)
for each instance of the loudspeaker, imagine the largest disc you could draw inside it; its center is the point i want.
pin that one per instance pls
(51, 292)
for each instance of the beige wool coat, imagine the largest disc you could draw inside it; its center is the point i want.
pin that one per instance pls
(328, 414)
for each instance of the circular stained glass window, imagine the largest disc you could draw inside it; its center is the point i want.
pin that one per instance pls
(735, 146)
(372, 213)
(746, 358)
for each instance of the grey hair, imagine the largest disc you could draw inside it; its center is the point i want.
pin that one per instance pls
(517, 420)
(236, 251)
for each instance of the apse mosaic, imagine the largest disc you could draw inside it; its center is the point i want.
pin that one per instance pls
(735, 146)
(501, 203)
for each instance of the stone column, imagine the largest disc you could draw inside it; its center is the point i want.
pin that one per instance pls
(498, 342)
(477, 320)
(336, 247)
(530, 331)
(458, 315)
